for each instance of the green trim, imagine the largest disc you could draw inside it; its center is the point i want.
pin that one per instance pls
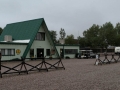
(32, 39)
(67, 45)
(13, 43)
(63, 51)
(50, 39)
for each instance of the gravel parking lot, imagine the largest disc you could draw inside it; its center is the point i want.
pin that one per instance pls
(79, 74)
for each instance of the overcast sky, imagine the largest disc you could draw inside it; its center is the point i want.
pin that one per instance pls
(74, 16)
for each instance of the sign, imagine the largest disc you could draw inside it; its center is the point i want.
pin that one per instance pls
(18, 51)
(52, 52)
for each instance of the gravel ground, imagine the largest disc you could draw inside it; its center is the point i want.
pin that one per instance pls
(79, 74)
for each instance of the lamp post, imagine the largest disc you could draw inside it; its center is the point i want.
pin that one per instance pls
(0, 64)
(106, 44)
(61, 40)
(63, 51)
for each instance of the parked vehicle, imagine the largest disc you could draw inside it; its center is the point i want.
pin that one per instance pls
(92, 55)
(117, 50)
(87, 54)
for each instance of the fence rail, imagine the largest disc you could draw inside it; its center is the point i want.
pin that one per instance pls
(42, 65)
(106, 60)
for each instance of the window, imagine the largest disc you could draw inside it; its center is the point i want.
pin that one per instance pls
(8, 52)
(31, 52)
(71, 51)
(48, 52)
(3, 51)
(40, 36)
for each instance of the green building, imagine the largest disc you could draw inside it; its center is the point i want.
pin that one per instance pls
(31, 39)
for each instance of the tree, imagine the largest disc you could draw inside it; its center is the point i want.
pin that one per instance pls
(70, 39)
(82, 41)
(117, 38)
(91, 36)
(1, 30)
(101, 36)
(117, 28)
(53, 35)
(62, 33)
(107, 35)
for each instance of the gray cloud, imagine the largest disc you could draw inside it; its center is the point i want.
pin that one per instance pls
(74, 16)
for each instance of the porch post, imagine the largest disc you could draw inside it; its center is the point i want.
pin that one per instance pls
(63, 51)
(0, 61)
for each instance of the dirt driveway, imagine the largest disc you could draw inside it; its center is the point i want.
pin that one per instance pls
(80, 74)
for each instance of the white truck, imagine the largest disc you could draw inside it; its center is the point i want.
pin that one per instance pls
(117, 50)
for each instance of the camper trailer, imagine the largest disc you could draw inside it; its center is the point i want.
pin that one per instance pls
(117, 50)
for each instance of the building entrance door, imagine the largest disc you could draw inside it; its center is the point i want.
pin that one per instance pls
(40, 52)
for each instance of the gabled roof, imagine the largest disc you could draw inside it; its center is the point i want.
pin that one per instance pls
(22, 30)
(26, 30)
